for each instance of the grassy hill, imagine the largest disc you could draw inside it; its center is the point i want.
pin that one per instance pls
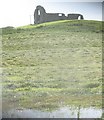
(53, 64)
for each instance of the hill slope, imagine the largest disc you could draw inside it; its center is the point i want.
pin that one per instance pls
(55, 63)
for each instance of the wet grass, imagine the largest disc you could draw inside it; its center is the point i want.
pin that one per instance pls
(53, 64)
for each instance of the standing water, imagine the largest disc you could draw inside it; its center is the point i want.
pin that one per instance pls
(64, 112)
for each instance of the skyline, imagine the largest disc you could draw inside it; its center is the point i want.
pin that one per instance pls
(20, 13)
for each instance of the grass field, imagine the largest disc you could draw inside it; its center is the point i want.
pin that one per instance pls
(53, 64)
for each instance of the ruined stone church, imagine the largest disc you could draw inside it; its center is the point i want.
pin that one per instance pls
(40, 16)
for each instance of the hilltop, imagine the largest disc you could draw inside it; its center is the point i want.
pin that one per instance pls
(68, 25)
(54, 63)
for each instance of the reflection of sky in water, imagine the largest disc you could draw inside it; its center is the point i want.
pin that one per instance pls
(64, 112)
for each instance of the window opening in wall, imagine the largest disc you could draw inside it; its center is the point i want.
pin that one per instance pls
(38, 12)
(59, 14)
(79, 18)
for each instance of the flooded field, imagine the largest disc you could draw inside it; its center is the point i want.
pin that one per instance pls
(64, 112)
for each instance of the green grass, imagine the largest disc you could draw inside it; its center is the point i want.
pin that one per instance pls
(53, 64)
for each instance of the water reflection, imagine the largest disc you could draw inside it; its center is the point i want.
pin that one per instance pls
(64, 112)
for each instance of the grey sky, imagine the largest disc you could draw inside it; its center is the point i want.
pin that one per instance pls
(90, 10)
(17, 12)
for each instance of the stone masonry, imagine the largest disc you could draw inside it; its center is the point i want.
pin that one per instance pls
(40, 16)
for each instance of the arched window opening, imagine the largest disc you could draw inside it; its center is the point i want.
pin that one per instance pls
(79, 18)
(39, 12)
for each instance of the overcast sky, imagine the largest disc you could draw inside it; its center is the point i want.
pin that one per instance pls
(17, 12)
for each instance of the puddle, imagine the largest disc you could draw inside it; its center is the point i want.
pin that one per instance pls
(64, 112)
